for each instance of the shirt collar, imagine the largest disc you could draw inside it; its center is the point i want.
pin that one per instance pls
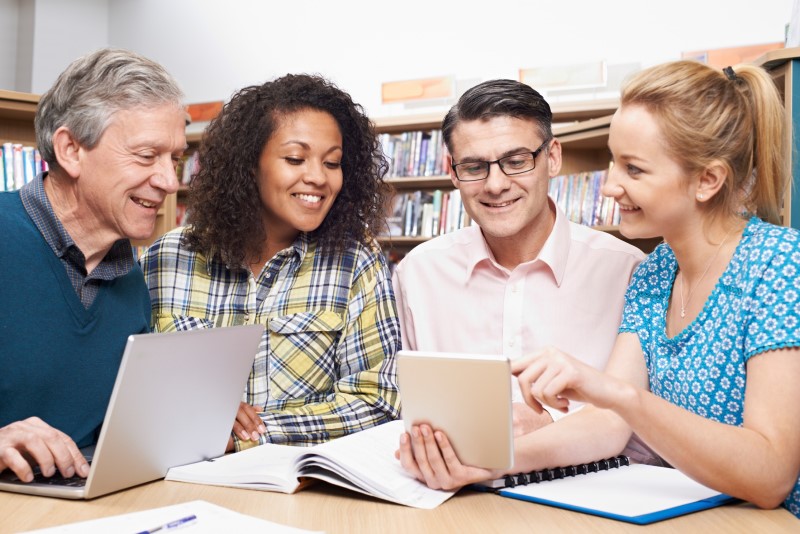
(38, 206)
(298, 249)
(118, 260)
(554, 253)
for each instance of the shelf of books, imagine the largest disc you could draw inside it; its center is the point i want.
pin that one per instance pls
(186, 170)
(19, 160)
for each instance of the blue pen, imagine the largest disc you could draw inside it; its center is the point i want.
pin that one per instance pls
(182, 522)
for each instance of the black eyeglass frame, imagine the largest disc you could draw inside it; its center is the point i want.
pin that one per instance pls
(488, 164)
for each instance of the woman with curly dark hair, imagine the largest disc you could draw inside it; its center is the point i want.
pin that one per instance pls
(289, 193)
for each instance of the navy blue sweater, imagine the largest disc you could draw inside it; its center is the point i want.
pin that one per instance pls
(58, 360)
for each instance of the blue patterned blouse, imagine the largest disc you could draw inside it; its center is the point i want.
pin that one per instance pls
(754, 308)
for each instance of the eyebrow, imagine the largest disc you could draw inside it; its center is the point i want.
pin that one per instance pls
(511, 152)
(631, 157)
(308, 147)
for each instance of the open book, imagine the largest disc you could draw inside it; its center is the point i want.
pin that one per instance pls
(362, 462)
(637, 493)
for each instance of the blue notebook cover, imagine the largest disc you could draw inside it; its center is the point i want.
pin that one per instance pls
(639, 494)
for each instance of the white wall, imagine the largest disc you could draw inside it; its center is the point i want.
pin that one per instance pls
(63, 31)
(38, 38)
(9, 17)
(214, 47)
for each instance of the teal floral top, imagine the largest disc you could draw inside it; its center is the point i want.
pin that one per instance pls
(754, 308)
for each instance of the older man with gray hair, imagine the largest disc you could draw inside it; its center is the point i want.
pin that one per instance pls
(111, 130)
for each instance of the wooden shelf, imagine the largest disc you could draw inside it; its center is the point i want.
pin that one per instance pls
(401, 241)
(194, 138)
(562, 113)
(17, 111)
(416, 182)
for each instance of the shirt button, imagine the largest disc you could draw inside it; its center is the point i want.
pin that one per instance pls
(246, 316)
(511, 343)
(513, 289)
(269, 275)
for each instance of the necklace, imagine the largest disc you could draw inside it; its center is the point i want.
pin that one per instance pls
(691, 291)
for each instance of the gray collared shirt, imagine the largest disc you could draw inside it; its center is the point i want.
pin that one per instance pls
(117, 262)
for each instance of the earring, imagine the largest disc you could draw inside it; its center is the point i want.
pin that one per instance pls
(700, 196)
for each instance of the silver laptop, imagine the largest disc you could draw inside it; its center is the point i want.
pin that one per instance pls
(173, 403)
(468, 396)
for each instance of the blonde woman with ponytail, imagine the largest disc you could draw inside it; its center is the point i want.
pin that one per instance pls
(705, 368)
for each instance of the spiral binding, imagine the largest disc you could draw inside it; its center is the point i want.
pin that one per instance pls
(556, 473)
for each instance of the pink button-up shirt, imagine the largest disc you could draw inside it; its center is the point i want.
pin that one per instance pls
(452, 296)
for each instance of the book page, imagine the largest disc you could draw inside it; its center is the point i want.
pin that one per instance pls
(209, 519)
(627, 491)
(366, 459)
(266, 467)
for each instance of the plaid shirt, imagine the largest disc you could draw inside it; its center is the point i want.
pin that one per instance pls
(117, 262)
(326, 364)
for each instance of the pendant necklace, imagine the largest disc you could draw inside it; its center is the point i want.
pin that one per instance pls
(691, 291)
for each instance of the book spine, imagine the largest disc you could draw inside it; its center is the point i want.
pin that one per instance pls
(19, 167)
(8, 165)
(28, 163)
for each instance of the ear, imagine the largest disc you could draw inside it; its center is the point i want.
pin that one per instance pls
(554, 158)
(67, 151)
(710, 181)
(449, 162)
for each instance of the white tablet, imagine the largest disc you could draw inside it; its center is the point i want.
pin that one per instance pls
(468, 396)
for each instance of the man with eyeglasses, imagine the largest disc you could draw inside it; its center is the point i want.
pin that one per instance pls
(523, 276)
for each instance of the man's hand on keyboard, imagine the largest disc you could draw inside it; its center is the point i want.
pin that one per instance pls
(45, 446)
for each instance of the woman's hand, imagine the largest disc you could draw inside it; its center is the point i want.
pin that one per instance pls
(554, 378)
(428, 456)
(248, 425)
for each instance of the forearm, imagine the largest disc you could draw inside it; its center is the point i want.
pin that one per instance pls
(345, 411)
(589, 435)
(734, 460)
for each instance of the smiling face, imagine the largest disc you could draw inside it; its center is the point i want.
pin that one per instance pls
(299, 175)
(512, 211)
(654, 195)
(124, 179)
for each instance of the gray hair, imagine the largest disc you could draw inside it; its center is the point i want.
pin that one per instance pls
(94, 87)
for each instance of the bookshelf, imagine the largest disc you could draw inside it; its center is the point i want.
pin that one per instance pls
(583, 130)
(784, 66)
(17, 111)
(193, 139)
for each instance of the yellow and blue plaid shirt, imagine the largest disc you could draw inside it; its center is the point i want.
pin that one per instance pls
(326, 364)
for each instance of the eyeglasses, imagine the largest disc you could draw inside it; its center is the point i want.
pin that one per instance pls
(473, 171)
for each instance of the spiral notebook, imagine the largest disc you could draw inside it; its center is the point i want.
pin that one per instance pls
(612, 488)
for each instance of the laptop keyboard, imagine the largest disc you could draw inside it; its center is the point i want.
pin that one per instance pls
(58, 480)
(55, 480)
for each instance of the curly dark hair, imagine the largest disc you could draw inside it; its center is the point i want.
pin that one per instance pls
(224, 201)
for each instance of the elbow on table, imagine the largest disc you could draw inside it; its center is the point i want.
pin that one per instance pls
(772, 495)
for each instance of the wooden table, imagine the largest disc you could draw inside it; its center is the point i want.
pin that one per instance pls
(324, 507)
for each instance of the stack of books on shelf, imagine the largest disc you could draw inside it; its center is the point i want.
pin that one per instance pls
(19, 165)
(186, 171)
(181, 214)
(426, 214)
(415, 154)
(188, 167)
(579, 197)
